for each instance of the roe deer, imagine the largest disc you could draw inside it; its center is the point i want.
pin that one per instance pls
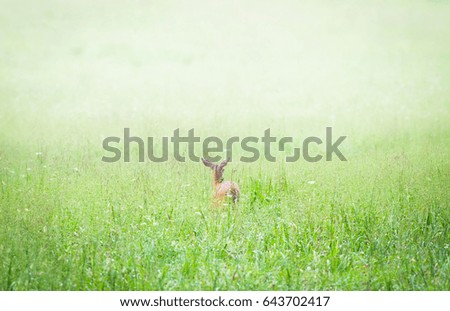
(222, 188)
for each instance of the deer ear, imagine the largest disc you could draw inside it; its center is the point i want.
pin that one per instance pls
(224, 162)
(207, 163)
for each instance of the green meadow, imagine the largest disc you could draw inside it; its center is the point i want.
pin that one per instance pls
(73, 73)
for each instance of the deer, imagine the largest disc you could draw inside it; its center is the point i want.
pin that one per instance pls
(222, 189)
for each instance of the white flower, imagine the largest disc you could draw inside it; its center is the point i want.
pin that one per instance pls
(311, 182)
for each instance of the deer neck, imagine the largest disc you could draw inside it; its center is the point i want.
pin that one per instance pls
(215, 181)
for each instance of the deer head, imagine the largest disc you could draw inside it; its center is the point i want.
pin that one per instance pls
(217, 169)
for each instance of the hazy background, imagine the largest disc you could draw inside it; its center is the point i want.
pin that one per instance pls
(90, 68)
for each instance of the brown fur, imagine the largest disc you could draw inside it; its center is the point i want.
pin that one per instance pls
(221, 188)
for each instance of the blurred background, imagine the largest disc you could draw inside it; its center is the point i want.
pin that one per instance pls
(84, 70)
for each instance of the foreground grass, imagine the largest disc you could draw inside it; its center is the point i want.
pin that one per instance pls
(383, 224)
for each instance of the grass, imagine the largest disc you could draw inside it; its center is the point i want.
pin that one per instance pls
(72, 75)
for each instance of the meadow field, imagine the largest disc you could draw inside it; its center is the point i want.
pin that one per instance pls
(75, 72)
